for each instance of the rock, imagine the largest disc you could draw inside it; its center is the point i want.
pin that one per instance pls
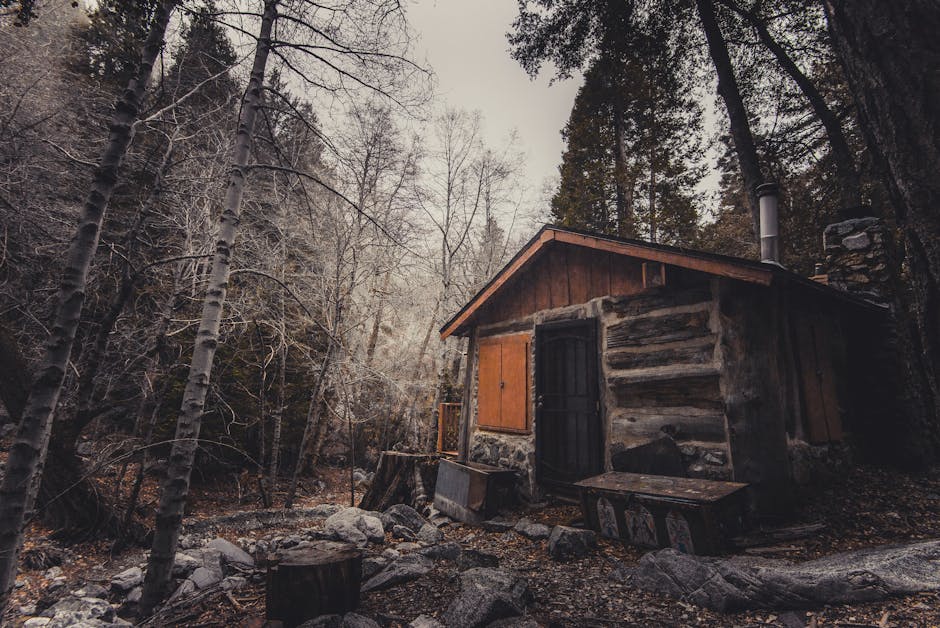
(442, 551)
(656, 457)
(349, 620)
(204, 578)
(531, 530)
(486, 595)
(390, 554)
(401, 532)
(791, 620)
(71, 610)
(233, 583)
(566, 543)
(859, 576)
(184, 589)
(471, 558)
(404, 569)
(498, 524)
(430, 534)
(134, 596)
(36, 622)
(425, 621)
(184, 564)
(28, 610)
(407, 516)
(372, 566)
(857, 242)
(52, 573)
(91, 590)
(127, 580)
(232, 555)
(354, 525)
(325, 510)
(407, 547)
(715, 457)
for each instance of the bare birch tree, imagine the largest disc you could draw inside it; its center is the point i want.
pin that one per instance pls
(25, 462)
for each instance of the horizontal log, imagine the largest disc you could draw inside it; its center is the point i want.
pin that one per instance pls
(502, 327)
(684, 424)
(697, 351)
(658, 329)
(667, 387)
(656, 299)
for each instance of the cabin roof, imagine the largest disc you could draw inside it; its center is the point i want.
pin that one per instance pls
(749, 271)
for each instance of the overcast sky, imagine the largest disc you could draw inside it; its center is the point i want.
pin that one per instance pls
(464, 41)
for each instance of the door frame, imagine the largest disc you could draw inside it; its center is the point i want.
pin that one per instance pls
(593, 360)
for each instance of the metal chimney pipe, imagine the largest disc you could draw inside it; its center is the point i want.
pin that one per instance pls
(767, 194)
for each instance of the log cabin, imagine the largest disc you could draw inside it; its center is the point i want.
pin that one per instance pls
(585, 346)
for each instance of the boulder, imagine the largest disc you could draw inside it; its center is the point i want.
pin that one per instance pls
(373, 565)
(442, 551)
(91, 590)
(184, 564)
(234, 583)
(356, 526)
(72, 610)
(486, 595)
(405, 515)
(204, 578)
(134, 596)
(515, 622)
(566, 543)
(185, 588)
(729, 585)
(233, 556)
(407, 547)
(127, 580)
(429, 534)
(656, 457)
(405, 569)
(425, 621)
(532, 530)
(402, 532)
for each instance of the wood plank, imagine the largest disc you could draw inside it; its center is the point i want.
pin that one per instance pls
(514, 394)
(683, 260)
(579, 273)
(600, 274)
(558, 277)
(501, 278)
(626, 275)
(657, 329)
(543, 289)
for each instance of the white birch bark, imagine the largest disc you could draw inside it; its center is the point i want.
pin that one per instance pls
(176, 487)
(27, 456)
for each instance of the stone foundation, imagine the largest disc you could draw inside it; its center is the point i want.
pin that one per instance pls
(509, 451)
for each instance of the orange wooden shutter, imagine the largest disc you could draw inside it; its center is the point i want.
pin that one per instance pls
(488, 391)
(514, 406)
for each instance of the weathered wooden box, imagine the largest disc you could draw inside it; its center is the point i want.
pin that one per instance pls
(691, 515)
(472, 491)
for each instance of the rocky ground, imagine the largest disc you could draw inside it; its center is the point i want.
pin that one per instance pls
(415, 569)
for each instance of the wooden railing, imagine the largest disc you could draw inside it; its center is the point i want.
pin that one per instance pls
(448, 428)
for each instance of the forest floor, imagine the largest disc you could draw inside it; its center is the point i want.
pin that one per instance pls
(862, 508)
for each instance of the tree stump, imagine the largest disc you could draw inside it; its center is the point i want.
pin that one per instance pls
(323, 579)
(402, 478)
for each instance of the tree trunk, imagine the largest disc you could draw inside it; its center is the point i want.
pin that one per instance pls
(624, 213)
(890, 55)
(401, 478)
(377, 322)
(737, 114)
(311, 427)
(183, 452)
(25, 462)
(320, 580)
(850, 188)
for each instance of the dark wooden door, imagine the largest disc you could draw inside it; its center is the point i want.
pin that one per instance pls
(568, 424)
